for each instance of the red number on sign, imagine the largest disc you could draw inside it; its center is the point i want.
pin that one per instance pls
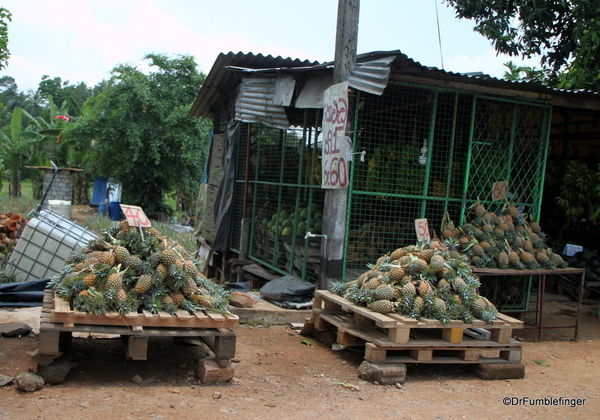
(499, 191)
(422, 228)
(135, 216)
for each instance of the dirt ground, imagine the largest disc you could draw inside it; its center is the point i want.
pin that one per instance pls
(280, 375)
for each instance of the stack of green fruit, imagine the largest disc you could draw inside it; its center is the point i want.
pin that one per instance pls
(432, 280)
(124, 271)
(508, 240)
(289, 223)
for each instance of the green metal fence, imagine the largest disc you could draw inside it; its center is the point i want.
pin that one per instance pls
(428, 152)
(431, 152)
(284, 196)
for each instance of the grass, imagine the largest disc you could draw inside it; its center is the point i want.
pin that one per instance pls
(93, 222)
(256, 322)
(541, 362)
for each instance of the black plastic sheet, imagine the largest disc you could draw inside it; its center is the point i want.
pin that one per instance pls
(21, 294)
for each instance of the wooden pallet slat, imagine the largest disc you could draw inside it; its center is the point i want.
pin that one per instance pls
(61, 311)
(418, 341)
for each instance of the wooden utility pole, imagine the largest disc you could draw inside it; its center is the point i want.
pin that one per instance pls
(336, 200)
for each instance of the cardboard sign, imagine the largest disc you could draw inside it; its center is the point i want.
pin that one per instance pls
(499, 190)
(135, 216)
(335, 170)
(422, 229)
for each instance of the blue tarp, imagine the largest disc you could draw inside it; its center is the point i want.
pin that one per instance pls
(99, 194)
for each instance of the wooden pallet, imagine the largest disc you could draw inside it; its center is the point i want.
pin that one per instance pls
(56, 330)
(63, 312)
(396, 338)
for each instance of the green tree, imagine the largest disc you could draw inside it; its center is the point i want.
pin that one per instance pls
(5, 17)
(141, 133)
(564, 34)
(15, 148)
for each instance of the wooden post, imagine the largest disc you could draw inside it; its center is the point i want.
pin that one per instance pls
(336, 200)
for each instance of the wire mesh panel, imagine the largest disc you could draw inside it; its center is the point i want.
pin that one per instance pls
(279, 173)
(509, 143)
(430, 153)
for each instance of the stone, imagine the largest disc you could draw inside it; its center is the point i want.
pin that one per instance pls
(14, 329)
(241, 300)
(498, 371)
(382, 373)
(5, 380)
(29, 382)
(211, 372)
(55, 372)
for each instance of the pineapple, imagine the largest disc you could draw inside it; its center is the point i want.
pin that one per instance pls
(418, 305)
(121, 254)
(385, 292)
(143, 284)
(400, 252)
(382, 306)
(503, 260)
(529, 260)
(396, 273)
(416, 265)
(372, 283)
(168, 256)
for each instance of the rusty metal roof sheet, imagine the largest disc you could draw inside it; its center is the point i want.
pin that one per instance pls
(372, 74)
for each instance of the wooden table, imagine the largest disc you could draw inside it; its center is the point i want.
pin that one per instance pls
(541, 276)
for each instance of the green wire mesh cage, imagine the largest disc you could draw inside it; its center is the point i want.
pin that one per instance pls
(431, 153)
(280, 172)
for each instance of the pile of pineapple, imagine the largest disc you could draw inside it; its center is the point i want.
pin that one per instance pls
(123, 270)
(503, 241)
(432, 280)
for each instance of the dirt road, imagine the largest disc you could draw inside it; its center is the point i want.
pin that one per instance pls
(278, 376)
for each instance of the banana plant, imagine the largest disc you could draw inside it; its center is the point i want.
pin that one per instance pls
(15, 148)
(579, 192)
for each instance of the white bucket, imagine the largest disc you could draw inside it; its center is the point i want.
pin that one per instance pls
(61, 207)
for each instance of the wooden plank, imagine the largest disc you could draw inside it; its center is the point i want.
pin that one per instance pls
(61, 306)
(374, 354)
(501, 335)
(422, 355)
(453, 335)
(470, 355)
(136, 347)
(399, 335)
(513, 322)
(184, 315)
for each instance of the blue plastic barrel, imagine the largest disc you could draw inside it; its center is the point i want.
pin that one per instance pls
(102, 209)
(115, 210)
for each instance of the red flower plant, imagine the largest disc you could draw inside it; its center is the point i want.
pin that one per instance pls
(62, 117)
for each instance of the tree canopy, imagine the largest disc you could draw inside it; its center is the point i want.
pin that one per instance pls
(564, 34)
(141, 133)
(5, 17)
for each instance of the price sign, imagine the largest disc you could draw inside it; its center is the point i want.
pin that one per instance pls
(499, 190)
(422, 228)
(135, 216)
(335, 158)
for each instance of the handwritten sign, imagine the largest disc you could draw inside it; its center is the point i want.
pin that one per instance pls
(335, 114)
(422, 229)
(135, 216)
(499, 190)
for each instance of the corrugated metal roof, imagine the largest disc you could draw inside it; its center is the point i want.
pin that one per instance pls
(220, 84)
(255, 102)
(372, 74)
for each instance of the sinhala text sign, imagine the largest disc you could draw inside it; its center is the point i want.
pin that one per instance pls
(335, 113)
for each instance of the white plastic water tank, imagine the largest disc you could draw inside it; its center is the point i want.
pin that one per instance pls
(46, 243)
(61, 207)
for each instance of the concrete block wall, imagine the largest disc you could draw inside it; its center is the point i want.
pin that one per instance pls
(62, 186)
